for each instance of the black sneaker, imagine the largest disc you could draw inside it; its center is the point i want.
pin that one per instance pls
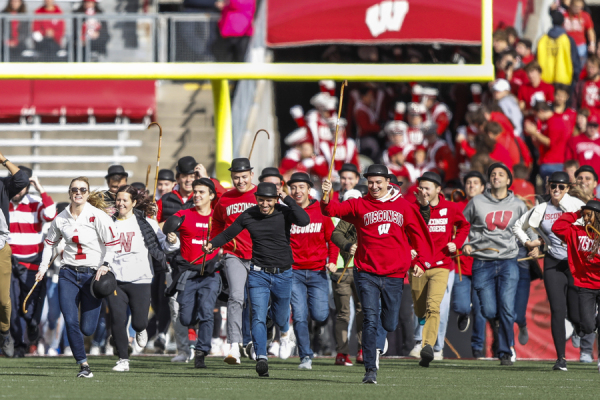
(370, 376)
(463, 322)
(426, 356)
(199, 359)
(561, 365)
(33, 333)
(7, 344)
(85, 372)
(19, 351)
(262, 367)
(505, 360)
(477, 354)
(159, 345)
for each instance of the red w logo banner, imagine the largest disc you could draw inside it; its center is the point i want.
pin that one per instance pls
(498, 219)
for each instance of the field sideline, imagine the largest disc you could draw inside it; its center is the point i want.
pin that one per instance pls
(158, 378)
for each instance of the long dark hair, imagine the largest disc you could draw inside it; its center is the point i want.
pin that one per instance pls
(21, 10)
(144, 202)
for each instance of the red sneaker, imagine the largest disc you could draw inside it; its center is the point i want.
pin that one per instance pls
(359, 357)
(348, 361)
(192, 335)
(340, 359)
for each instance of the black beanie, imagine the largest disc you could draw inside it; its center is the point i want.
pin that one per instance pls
(504, 167)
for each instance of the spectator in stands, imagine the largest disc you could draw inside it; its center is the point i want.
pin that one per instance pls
(523, 49)
(197, 42)
(521, 185)
(18, 30)
(509, 104)
(589, 88)
(570, 167)
(367, 124)
(48, 34)
(508, 67)
(587, 181)
(578, 24)
(235, 29)
(488, 144)
(500, 42)
(581, 121)
(93, 30)
(550, 135)
(28, 215)
(165, 184)
(536, 90)
(561, 99)
(557, 54)
(512, 36)
(115, 178)
(585, 149)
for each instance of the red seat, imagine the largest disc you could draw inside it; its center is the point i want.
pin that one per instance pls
(15, 98)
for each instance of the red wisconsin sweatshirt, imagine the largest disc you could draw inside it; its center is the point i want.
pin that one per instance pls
(444, 217)
(384, 229)
(312, 245)
(231, 204)
(586, 274)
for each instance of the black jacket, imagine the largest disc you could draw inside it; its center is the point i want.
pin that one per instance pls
(171, 204)
(9, 188)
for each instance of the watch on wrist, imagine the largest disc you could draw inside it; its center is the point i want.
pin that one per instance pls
(4, 162)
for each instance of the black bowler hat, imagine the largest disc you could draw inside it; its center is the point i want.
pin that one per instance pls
(166, 175)
(172, 224)
(116, 170)
(206, 182)
(363, 189)
(350, 168)
(240, 165)
(586, 168)
(492, 167)
(431, 177)
(300, 177)
(139, 186)
(378, 170)
(269, 171)
(559, 177)
(27, 171)
(186, 165)
(593, 205)
(474, 174)
(266, 189)
(103, 287)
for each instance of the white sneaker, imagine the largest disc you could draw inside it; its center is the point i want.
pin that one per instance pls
(377, 353)
(598, 366)
(416, 351)
(305, 363)
(286, 347)
(215, 347)
(385, 347)
(141, 338)
(438, 355)
(233, 358)
(94, 351)
(274, 349)
(52, 352)
(67, 351)
(181, 357)
(41, 349)
(513, 356)
(250, 351)
(109, 351)
(122, 365)
(192, 352)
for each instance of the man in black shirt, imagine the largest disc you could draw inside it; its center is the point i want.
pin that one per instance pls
(270, 276)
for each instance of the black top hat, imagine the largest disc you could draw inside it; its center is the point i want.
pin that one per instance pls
(300, 177)
(172, 224)
(139, 186)
(559, 177)
(166, 175)
(586, 168)
(186, 165)
(350, 168)
(377, 170)
(363, 189)
(266, 189)
(116, 170)
(474, 174)
(206, 182)
(240, 165)
(104, 287)
(593, 205)
(269, 171)
(27, 171)
(431, 177)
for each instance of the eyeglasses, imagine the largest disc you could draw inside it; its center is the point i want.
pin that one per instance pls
(555, 185)
(82, 190)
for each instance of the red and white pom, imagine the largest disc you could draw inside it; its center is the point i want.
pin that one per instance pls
(476, 92)
(297, 112)
(417, 92)
(414, 108)
(430, 92)
(399, 111)
(327, 86)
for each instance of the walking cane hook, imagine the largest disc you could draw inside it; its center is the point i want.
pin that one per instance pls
(254, 141)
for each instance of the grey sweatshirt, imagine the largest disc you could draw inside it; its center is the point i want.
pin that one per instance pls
(491, 224)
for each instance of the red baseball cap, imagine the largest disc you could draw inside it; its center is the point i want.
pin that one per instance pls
(593, 120)
(392, 151)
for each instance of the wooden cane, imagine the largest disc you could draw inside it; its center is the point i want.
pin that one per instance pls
(207, 237)
(33, 288)
(337, 128)
(475, 251)
(148, 175)
(531, 258)
(158, 157)
(254, 141)
(458, 258)
(345, 268)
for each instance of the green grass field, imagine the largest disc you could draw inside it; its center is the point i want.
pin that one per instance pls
(158, 378)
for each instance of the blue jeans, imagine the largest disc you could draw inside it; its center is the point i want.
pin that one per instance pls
(496, 284)
(547, 169)
(20, 287)
(246, 323)
(310, 293)
(523, 287)
(582, 51)
(73, 294)
(463, 295)
(377, 293)
(261, 287)
(197, 304)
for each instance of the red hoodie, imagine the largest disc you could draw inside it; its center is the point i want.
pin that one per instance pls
(384, 229)
(586, 274)
(231, 204)
(311, 244)
(44, 25)
(444, 217)
(466, 263)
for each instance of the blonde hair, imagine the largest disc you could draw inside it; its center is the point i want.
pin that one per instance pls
(96, 198)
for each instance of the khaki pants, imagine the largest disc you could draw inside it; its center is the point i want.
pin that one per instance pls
(341, 297)
(427, 293)
(5, 276)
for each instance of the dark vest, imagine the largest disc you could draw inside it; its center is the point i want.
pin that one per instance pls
(171, 204)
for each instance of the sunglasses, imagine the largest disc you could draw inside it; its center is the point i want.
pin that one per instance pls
(82, 190)
(560, 187)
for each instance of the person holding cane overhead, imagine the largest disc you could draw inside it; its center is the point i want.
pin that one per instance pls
(385, 223)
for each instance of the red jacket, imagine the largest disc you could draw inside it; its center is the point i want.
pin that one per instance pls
(192, 235)
(43, 25)
(444, 217)
(311, 244)
(384, 229)
(586, 274)
(231, 204)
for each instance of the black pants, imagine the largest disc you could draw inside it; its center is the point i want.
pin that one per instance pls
(230, 49)
(563, 298)
(588, 301)
(21, 284)
(160, 321)
(137, 298)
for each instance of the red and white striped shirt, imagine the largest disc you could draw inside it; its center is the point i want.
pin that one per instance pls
(26, 221)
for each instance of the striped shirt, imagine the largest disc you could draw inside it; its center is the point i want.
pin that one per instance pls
(26, 222)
